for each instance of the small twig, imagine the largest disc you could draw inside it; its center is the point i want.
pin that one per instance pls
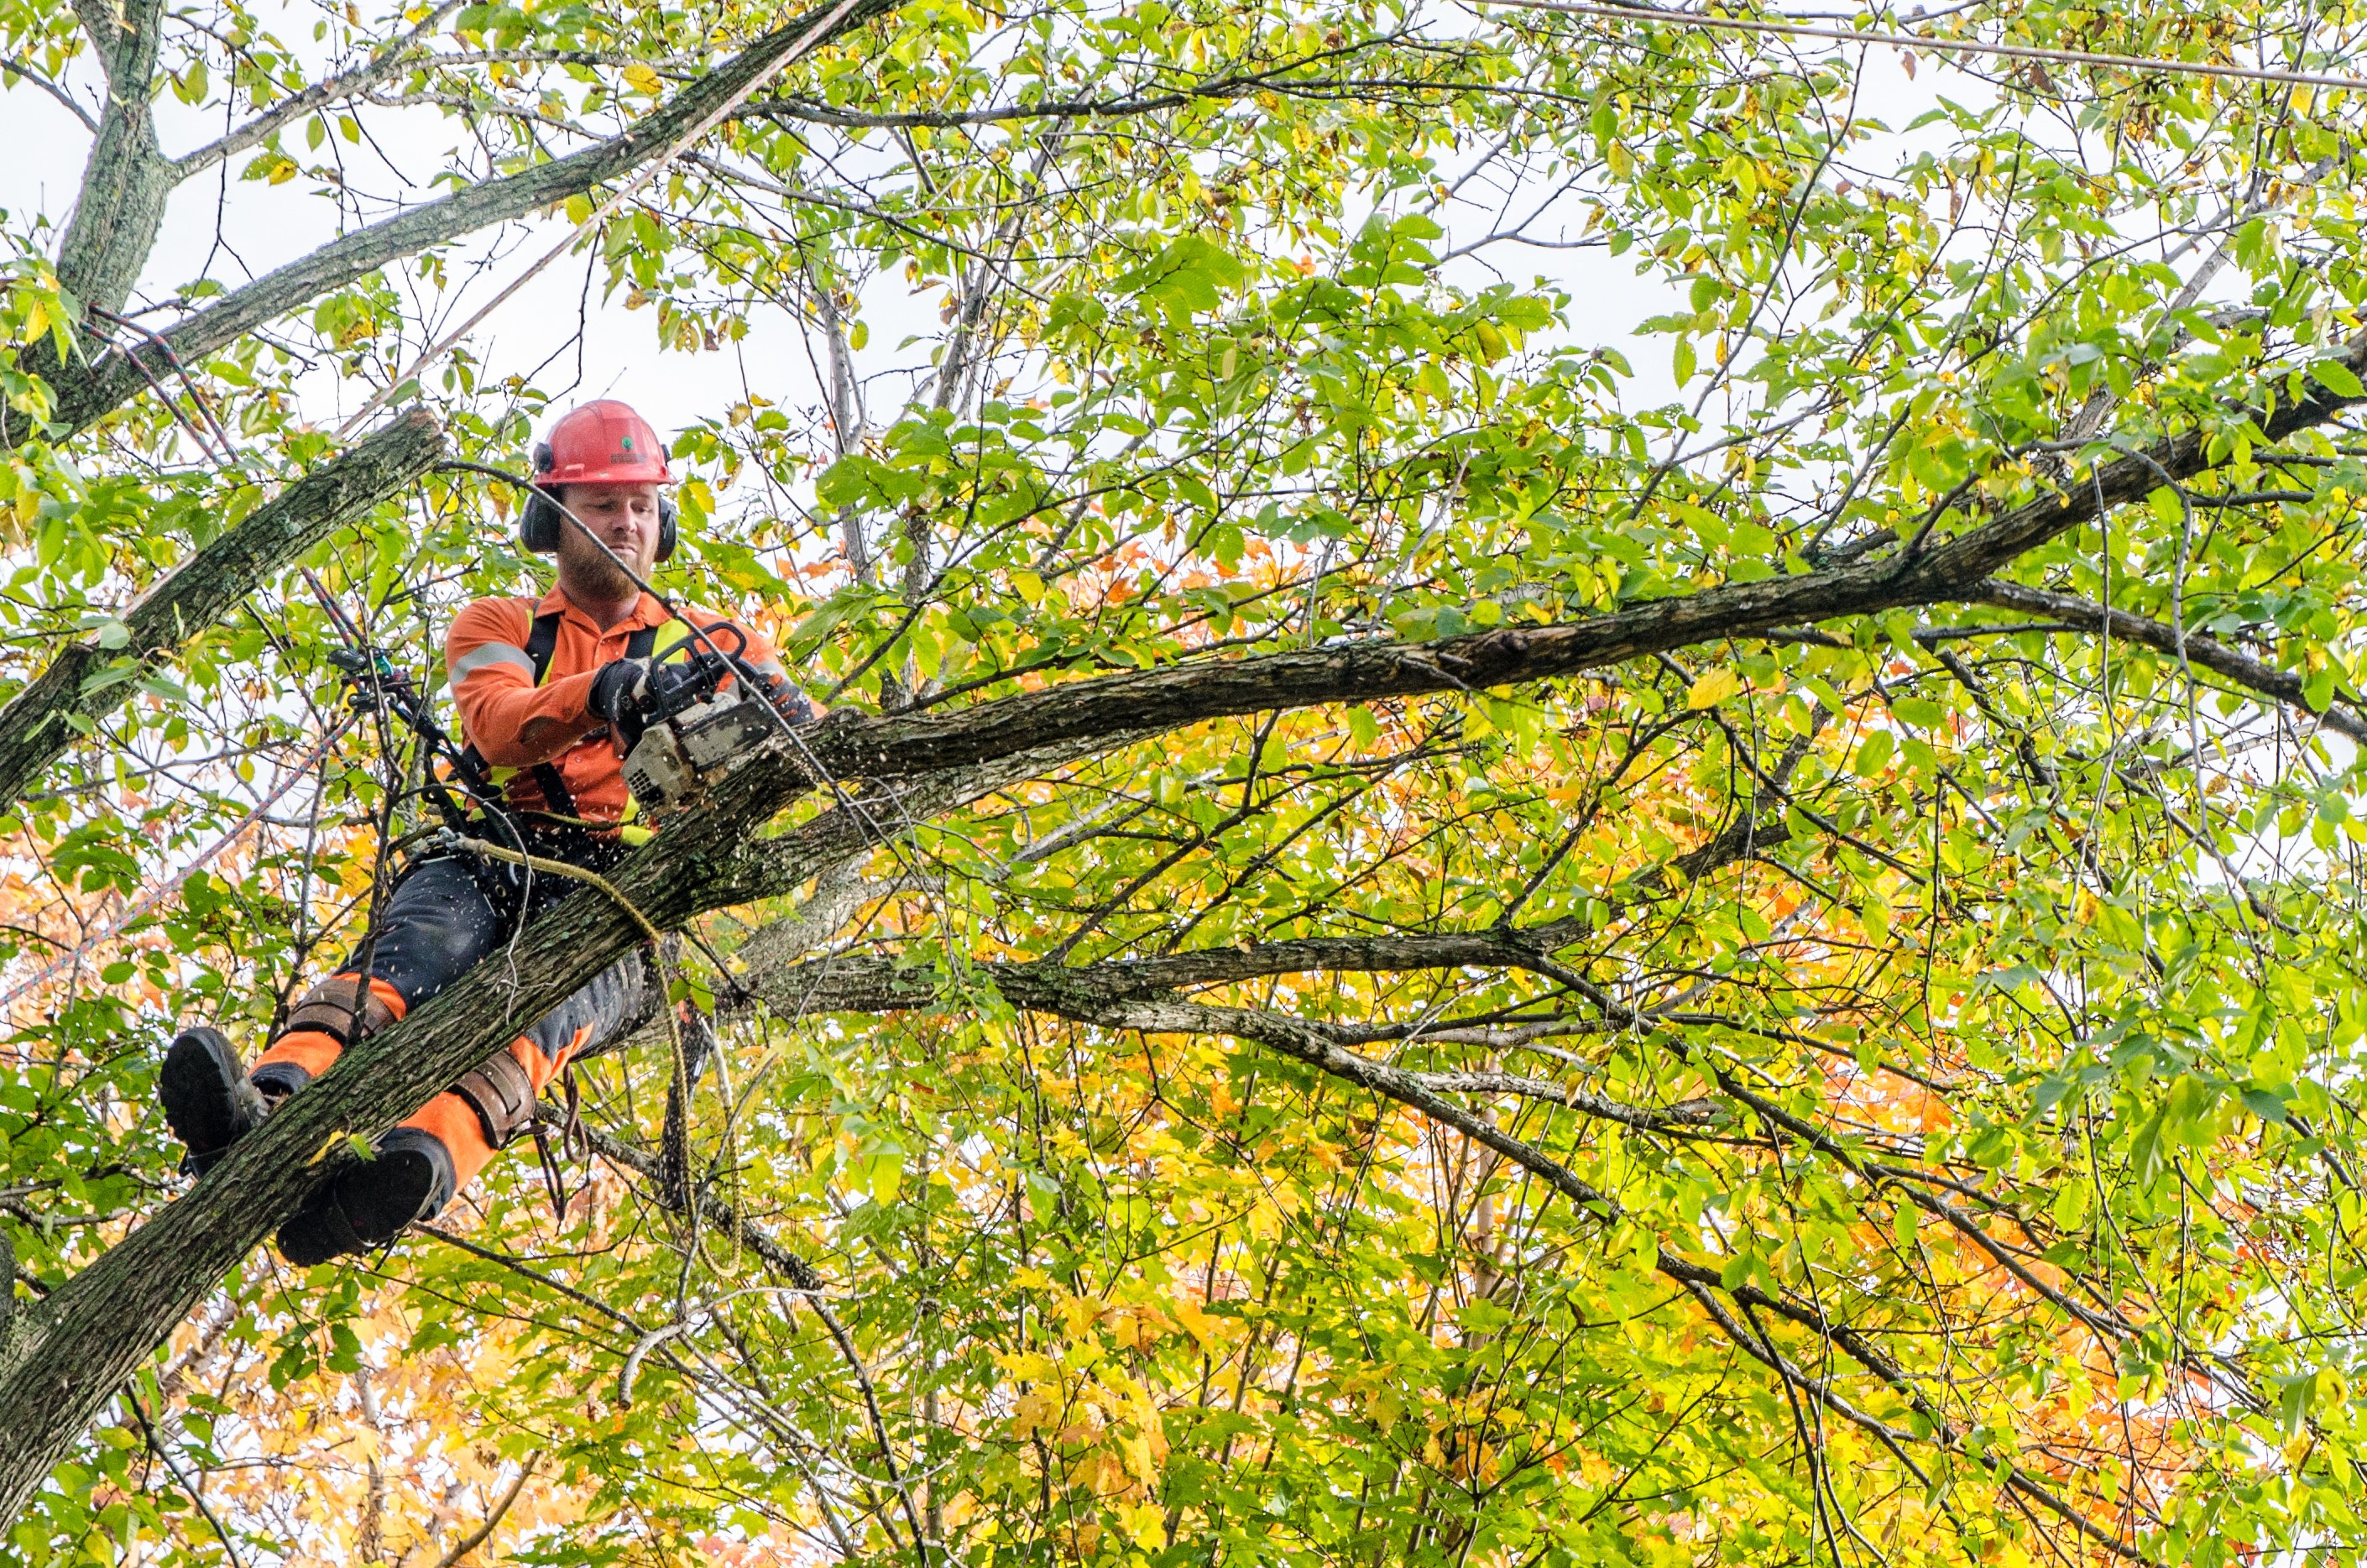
(156, 1447)
(483, 1532)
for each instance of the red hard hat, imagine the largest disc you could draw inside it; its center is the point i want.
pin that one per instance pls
(601, 443)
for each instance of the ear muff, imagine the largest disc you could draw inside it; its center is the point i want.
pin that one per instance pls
(665, 526)
(539, 524)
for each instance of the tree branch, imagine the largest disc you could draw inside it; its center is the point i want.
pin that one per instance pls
(87, 681)
(484, 1532)
(83, 393)
(398, 57)
(125, 182)
(1184, 694)
(2268, 681)
(26, 73)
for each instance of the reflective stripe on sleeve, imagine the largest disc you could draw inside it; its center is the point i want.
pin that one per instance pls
(485, 655)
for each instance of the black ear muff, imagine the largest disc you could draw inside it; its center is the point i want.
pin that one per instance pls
(539, 524)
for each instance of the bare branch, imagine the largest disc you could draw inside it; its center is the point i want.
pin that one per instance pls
(27, 74)
(400, 55)
(2344, 717)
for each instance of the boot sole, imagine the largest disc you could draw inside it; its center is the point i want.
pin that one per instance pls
(201, 1083)
(364, 1209)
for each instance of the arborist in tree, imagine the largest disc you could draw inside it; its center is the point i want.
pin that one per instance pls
(553, 694)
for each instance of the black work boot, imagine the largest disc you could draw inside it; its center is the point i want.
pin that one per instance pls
(208, 1101)
(368, 1205)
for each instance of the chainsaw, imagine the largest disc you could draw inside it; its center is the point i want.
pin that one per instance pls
(690, 731)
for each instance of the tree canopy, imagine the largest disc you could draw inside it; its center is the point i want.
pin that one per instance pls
(1442, 917)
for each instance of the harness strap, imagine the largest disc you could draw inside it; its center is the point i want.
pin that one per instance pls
(540, 644)
(502, 1094)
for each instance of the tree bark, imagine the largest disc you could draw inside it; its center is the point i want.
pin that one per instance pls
(87, 681)
(125, 183)
(2341, 714)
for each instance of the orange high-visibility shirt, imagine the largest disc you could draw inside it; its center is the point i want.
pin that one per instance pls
(515, 724)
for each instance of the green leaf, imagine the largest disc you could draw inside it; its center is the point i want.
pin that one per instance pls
(2338, 377)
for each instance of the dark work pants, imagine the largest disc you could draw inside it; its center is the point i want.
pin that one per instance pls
(450, 913)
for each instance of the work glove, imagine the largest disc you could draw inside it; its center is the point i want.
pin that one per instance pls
(794, 706)
(616, 696)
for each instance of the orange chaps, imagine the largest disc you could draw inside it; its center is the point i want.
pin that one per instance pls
(465, 1134)
(445, 917)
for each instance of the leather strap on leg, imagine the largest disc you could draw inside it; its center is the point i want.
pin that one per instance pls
(344, 1006)
(502, 1094)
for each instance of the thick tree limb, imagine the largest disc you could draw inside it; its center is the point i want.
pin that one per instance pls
(83, 393)
(2342, 716)
(126, 181)
(1179, 695)
(1109, 996)
(879, 984)
(86, 681)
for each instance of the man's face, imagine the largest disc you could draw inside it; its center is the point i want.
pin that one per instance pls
(622, 517)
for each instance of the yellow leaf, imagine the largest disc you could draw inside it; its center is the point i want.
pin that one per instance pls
(1714, 688)
(1078, 1313)
(1035, 1410)
(1196, 1323)
(642, 77)
(1144, 1525)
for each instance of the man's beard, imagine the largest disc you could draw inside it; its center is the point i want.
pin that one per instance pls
(596, 573)
(605, 578)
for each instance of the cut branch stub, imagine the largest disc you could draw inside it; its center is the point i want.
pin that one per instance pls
(86, 681)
